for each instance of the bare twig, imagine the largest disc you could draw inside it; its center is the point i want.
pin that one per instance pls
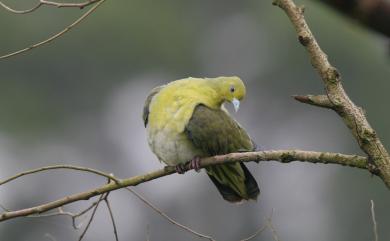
(74, 216)
(255, 234)
(49, 3)
(268, 224)
(70, 167)
(101, 198)
(61, 212)
(21, 11)
(374, 224)
(271, 227)
(57, 35)
(352, 115)
(4, 208)
(111, 217)
(284, 156)
(69, 5)
(164, 215)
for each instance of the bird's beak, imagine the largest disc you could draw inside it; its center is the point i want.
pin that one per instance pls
(236, 104)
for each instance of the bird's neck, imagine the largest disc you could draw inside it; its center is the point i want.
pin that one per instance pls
(216, 97)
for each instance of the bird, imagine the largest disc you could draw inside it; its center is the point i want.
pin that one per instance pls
(186, 120)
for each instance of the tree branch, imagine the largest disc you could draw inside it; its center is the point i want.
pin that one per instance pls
(317, 100)
(49, 3)
(57, 35)
(70, 167)
(101, 198)
(284, 156)
(112, 218)
(352, 115)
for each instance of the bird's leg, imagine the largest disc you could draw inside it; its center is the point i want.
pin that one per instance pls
(195, 163)
(180, 168)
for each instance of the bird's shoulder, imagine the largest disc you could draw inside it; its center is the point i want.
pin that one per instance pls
(152, 93)
(174, 103)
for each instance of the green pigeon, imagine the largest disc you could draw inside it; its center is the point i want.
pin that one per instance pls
(186, 120)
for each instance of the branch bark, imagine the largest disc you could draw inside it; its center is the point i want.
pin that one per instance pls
(352, 115)
(317, 100)
(284, 156)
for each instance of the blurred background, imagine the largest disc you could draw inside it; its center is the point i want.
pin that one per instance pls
(79, 101)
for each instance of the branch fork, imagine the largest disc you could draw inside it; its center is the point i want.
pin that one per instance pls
(336, 97)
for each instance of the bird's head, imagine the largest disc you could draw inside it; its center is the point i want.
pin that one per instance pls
(232, 90)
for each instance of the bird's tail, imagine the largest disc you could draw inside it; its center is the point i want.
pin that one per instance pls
(234, 182)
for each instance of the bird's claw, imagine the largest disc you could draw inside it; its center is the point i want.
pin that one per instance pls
(195, 164)
(180, 168)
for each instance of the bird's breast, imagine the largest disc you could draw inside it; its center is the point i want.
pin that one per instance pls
(170, 147)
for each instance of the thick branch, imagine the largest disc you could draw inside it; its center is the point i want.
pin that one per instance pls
(284, 156)
(352, 115)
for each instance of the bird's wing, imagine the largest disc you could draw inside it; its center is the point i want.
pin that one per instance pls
(152, 93)
(216, 133)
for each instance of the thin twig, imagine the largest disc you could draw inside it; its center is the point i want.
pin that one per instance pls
(164, 215)
(21, 11)
(268, 221)
(49, 3)
(61, 212)
(111, 217)
(74, 216)
(4, 208)
(273, 230)
(284, 156)
(374, 223)
(255, 234)
(69, 5)
(101, 198)
(57, 35)
(71, 167)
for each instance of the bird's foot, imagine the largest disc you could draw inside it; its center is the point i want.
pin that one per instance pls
(180, 168)
(195, 163)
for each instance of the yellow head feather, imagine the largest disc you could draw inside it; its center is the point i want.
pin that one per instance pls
(228, 88)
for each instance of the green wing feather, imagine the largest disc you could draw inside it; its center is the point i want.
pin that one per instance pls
(153, 92)
(215, 132)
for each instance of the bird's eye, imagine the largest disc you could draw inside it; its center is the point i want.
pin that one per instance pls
(232, 89)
